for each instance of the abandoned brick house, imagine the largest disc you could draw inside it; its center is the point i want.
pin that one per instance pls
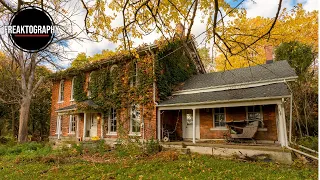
(165, 93)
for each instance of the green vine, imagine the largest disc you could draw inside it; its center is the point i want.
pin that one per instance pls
(78, 88)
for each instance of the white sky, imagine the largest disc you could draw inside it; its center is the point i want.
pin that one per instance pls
(265, 8)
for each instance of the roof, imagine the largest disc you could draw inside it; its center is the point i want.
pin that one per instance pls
(87, 103)
(276, 70)
(259, 92)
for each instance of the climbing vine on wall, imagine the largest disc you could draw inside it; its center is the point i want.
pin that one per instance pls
(78, 87)
(173, 69)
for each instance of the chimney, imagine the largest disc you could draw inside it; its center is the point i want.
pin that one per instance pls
(180, 30)
(269, 54)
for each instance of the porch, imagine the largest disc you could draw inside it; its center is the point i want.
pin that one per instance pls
(198, 123)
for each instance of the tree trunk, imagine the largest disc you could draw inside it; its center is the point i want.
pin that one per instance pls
(24, 118)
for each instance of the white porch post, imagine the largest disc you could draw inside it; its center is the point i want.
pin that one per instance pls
(159, 124)
(282, 126)
(194, 125)
(77, 131)
(102, 123)
(59, 126)
(84, 126)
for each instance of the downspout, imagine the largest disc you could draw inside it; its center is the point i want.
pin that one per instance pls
(153, 72)
(290, 131)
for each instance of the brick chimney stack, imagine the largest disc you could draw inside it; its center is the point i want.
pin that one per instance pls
(269, 54)
(180, 30)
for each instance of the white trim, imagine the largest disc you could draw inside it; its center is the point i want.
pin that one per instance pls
(72, 90)
(70, 124)
(194, 126)
(225, 103)
(66, 110)
(131, 119)
(159, 124)
(235, 86)
(84, 125)
(109, 122)
(59, 93)
(225, 119)
(58, 126)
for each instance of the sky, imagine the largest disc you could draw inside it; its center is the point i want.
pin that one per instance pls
(265, 8)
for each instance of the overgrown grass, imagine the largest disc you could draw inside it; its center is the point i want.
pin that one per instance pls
(40, 161)
(309, 142)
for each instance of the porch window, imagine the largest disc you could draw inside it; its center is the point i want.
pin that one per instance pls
(59, 125)
(255, 113)
(135, 120)
(219, 117)
(113, 121)
(72, 124)
(61, 91)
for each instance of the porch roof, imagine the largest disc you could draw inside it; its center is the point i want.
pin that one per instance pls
(267, 91)
(87, 103)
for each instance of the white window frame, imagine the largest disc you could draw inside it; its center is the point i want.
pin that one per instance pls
(133, 119)
(89, 92)
(261, 115)
(72, 89)
(71, 119)
(114, 83)
(61, 92)
(112, 119)
(225, 118)
(135, 64)
(59, 124)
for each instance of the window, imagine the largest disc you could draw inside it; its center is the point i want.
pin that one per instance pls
(189, 117)
(114, 74)
(72, 124)
(89, 79)
(59, 127)
(113, 121)
(61, 91)
(219, 117)
(135, 119)
(255, 113)
(72, 89)
(134, 78)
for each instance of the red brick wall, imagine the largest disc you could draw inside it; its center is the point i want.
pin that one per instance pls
(238, 113)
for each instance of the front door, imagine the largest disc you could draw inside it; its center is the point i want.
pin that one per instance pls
(188, 125)
(93, 125)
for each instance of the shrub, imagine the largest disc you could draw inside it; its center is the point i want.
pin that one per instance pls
(309, 142)
(152, 146)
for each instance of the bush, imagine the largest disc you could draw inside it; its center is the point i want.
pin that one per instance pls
(152, 146)
(309, 142)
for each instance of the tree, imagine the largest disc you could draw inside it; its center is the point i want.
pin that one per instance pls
(80, 60)
(143, 17)
(305, 90)
(27, 63)
(205, 57)
(293, 25)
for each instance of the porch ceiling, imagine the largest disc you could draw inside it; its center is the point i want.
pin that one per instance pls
(267, 91)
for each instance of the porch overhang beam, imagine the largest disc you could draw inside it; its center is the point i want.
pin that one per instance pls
(215, 104)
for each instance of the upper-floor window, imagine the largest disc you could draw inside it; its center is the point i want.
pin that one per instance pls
(134, 77)
(89, 91)
(135, 120)
(114, 74)
(219, 117)
(61, 91)
(72, 89)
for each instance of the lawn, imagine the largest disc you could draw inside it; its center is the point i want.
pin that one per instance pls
(44, 163)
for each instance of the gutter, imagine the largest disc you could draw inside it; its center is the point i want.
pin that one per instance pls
(290, 132)
(221, 101)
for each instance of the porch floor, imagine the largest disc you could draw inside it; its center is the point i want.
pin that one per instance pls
(251, 146)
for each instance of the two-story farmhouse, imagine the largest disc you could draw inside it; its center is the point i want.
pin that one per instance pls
(163, 92)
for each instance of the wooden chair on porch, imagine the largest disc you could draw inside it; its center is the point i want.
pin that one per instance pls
(248, 131)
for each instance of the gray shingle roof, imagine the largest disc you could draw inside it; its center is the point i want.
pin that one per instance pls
(271, 90)
(88, 103)
(278, 69)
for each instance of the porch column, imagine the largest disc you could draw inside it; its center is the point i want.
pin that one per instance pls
(282, 126)
(102, 123)
(77, 131)
(59, 125)
(194, 126)
(84, 126)
(159, 124)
